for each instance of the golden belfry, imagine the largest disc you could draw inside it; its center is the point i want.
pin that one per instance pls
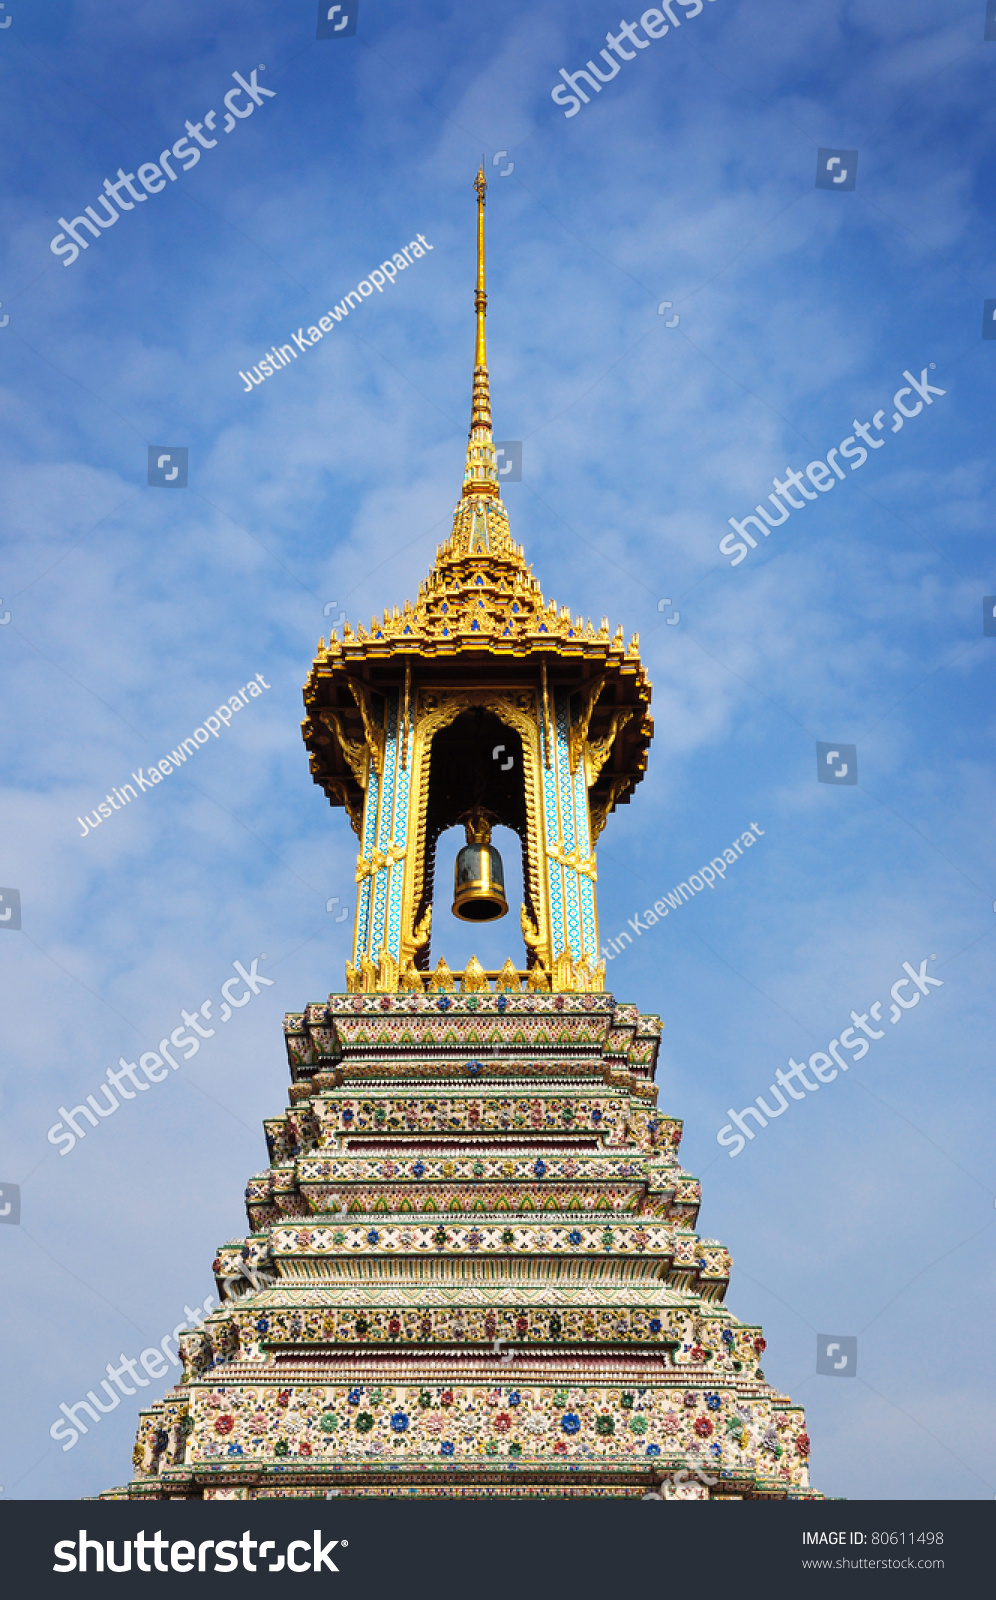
(403, 721)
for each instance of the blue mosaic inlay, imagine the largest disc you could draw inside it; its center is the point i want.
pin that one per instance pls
(363, 889)
(385, 823)
(555, 879)
(400, 836)
(572, 897)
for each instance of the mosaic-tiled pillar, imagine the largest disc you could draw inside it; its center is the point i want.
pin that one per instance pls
(383, 841)
(365, 885)
(570, 862)
(586, 880)
(555, 872)
(399, 744)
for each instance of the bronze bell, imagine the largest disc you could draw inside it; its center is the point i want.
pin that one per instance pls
(479, 881)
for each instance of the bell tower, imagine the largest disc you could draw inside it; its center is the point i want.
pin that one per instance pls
(402, 721)
(472, 1269)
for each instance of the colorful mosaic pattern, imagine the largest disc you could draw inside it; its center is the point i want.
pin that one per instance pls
(365, 888)
(385, 826)
(586, 884)
(472, 1271)
(565, 807)
(396, 739)
(568, 831)
(555, 872)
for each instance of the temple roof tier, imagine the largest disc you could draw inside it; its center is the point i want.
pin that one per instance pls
(479, 616)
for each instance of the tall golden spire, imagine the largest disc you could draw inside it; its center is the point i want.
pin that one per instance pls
(481, 298)
(480, 477)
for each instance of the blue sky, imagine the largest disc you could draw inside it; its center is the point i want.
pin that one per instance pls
(868, 1210)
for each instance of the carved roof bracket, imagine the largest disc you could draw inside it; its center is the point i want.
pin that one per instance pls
(579, 729)
(355, 751)
(373, 730)
(597, 751)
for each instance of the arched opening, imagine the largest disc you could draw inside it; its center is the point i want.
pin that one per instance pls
(476, 766)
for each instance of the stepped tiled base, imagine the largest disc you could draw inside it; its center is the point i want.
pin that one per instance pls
(472, 1272)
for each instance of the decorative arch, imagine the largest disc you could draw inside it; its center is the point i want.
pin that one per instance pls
(434, 711)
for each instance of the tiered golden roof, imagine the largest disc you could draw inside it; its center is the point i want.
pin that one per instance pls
(480, 600)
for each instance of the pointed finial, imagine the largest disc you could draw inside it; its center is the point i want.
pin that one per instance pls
(481, 298)
(480, 477)
(480, 521)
